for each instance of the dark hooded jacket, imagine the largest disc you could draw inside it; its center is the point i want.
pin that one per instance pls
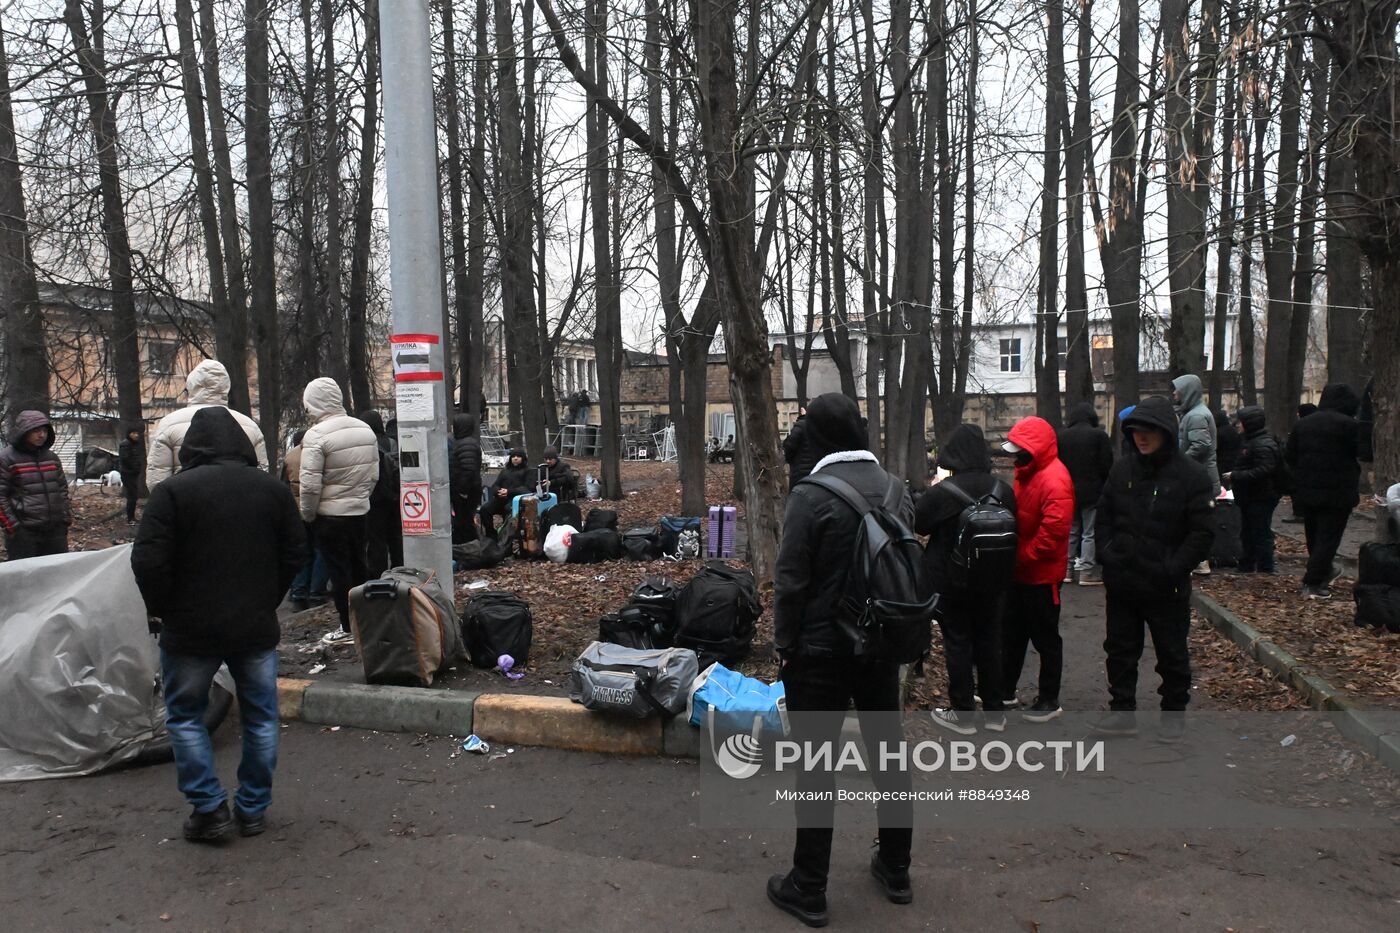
(1228, 444)
(938, 509)
(218, 545)
(1087, 452)
(800, 452)
(376, 424)
(1323, 452)
(131, 456)
(818, 529)
(1255, 476)
(1154, 523)
(464, 468)
(516, 481)
(563, 479)
(33, 489)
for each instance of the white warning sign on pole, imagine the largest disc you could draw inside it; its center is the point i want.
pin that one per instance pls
(416, 508)
(412, 355)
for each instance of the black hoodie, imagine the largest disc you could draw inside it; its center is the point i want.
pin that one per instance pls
(131, 456)
(1255, 476)
(464, 468)
(1087, 453)
(516, 481)
(937, 511)
(218, 545)
(1324, 450)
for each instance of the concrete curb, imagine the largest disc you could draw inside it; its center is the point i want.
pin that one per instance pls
(515, 718)
(1371, 732)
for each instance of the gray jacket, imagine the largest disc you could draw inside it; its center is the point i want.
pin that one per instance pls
(1196, 436)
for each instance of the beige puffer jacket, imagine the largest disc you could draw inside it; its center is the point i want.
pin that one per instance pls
(207, 384)
(339, 456)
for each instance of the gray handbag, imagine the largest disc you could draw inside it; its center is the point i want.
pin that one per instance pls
(633, 682)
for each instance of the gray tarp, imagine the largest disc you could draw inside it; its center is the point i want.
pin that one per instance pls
(78, 666)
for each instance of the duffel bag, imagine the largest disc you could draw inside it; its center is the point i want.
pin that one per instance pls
(592, 547)
(496, 623)
(610, 678)
(1379, 564)
(600, 518)
(1377, 606)
(716, 614)
(629, 627)
(680, 536)
(641, 544)
(736, 697)
(481, 554)
(405, 628)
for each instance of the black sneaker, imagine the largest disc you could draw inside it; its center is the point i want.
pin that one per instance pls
(249, 824)
(809, 908)
(298, 604)
(896, 883)
(214, 826)
(1316, 592)
(1118, 722)
(1172, 727)
(1042, 711)
(953, 721)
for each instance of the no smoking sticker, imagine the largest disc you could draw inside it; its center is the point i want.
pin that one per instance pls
(416, 508)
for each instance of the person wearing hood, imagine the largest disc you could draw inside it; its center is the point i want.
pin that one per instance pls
(559, 478)
(1087, 452)
(465, 476)
(218, 545)
(384, 532)
(821, 674)
(1255, 483)
(515, 479)
(34, 509)
(1155, 524)
(1196, 436)
(339, 470)
(131, 463)
(207, 384)
(798, 451)
(1229, 444)
(1044, 514)
(1296, 514)
(969, 616)
(1323, 452)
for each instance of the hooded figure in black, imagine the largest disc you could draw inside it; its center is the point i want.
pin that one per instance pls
(131, 463)
(821, 675)
(1154, 525)
(1255, 483)
(516, 479)
(1323, 451)
(464, 472)
(799, 451)
(1229, 443)
(384, 527)
(1087, 452)
(219, 544)
(970, 620)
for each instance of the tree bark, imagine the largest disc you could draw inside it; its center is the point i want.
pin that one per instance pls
(1120, 236)
(1279, 240)
(26, 367)
(456, 196)
(1047, 383)
(312, 330)
(1079, 377)
(945, 409)
(1225, 225)
(330, 178)
(357, 310)
(838, 335)
(473, 352)
(1346, 316)
(1304, 262)
(607, 321)
(103, 119)
(875, 316)
(262, 268)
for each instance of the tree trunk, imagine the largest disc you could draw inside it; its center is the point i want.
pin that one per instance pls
(1079, 377)
(1300, 318)
(1346, 315)
(607, 323)
(25, 375)
(456, 198)
(234, 274)
(312, 330)
(103, 119)
(1253, 215)
(945, 411)
(959, 399)
(358, 309)
(1279, 241)
(1121, 240)
(471, 341)
(838, 336)
(537, 242)
(873, 193)
(330, 177)
(262, 270)
(1047, 383)
(1219, 359)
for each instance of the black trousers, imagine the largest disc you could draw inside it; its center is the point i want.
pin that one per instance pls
(131, 488)
(1323, 529)
(822, 689)
(464, 516)
(1033, 617)
(1169, 621)
(342, 540)
(1257, 535)
(499, 505)
(37, 542)
(972, 640)
(385, 541)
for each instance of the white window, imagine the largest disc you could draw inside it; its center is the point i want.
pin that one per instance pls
(1011, 355)
(162, 356)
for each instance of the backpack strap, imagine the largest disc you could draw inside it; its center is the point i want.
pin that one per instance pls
(852, 496)
(963, 496)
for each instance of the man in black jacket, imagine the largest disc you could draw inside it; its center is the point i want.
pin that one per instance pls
(1087, 452)
(798, 451)
(821, 676)
(34, 509)
(1254, 481)
(559, 478)
(384, 532)
(970, 618)
(218, 545)
(131, 463)
(517, 479)
(464, 475)
(1322, 450)
(1154, 526)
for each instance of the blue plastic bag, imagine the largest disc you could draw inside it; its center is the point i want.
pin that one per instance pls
(731, 694)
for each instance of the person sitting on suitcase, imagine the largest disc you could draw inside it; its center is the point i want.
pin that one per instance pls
(516, 479)
(560, 478)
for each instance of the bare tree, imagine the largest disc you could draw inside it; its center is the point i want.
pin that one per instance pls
(357, 309)
(261, 270)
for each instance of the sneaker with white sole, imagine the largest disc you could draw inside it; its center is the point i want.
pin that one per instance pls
(994, 722)
(1008, 703)
(1091, 577)
(1202, 569)
(1042, 711)
(336, 638)
(953, 721)
(1316, 592)
(1334, 574)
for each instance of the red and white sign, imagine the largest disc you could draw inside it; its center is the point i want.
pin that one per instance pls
(416, 508)
(412, 356)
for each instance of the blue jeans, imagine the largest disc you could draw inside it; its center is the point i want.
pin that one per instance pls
(187, 680)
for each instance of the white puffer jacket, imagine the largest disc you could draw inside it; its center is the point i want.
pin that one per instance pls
(339, 456)
(207, 385)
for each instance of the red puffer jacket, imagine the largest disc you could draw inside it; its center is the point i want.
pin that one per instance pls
(1044, 505)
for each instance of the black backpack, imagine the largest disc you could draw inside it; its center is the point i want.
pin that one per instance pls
(641, 544)
(886, 607)
(716, 614)
(984, 548)
(600, 518)
(655, 599)
(561, 513)
(496, 623)
(385, 493)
